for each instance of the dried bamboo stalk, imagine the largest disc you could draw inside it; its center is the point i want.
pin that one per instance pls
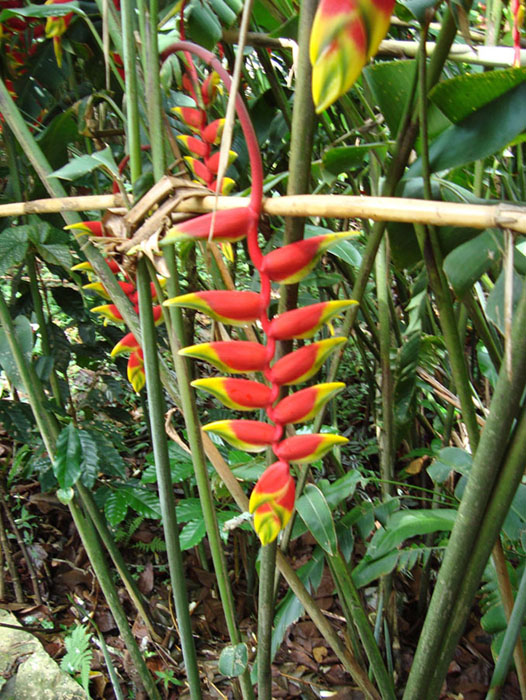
(480, 216)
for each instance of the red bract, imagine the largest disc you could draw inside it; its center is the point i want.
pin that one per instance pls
(272, 499)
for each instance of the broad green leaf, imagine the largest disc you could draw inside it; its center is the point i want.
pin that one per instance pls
(191, 534)
(116, 506)
(90, 461)
(56, 254)
(181, 466)
(143, 501)
(224, 12)
(56, 137)
(449, 459)
(189, 509)
(418, 8)
(340, 160)
(461, 96)
(67, 465)
(41, 11)
(407, 360)
(346, 250)
(391, 83)
(66, 495)
(468, 262)
(342, 488)
(368, 571)
(203, 27)
(483, 133)
(13, 247)
(495, 304)
(24, 336)
(233, 660)
(83, 165)
(316, 514)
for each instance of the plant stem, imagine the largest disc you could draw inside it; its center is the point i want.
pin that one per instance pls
(472, 519)
(103, 575)
(131, 95)
(265, 619)
(189, 412)
(153, 91)
(156, 407)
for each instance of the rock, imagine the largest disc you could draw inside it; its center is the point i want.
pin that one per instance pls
(27, 672)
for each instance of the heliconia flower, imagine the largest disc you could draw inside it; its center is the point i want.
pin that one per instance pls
(303, 405)
(109, 311)
(227, 185)
(127, 287)
(136, 375)
(157, 314)
(212, 163)
(272, 501)
(304, 449)
(238, 394)
(194, 119)
(305, 322)
(249, 435)
(128, 343)
(87, 266)
(302, 364)
(212, 132)
(56, 26)
(200, 171)
(210, 87)
(231, 307)
(194, 145)
(291, 263)
(345, 34)
(228, 225)
(230, 356)
(95, 228)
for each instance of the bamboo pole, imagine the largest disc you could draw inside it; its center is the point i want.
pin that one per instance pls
(480, 216)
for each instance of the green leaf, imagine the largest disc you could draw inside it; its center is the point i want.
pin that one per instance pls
(78, 655)
(67, 465)
(483, 133)
(391, 83)
(449, 459)
(13, 247)
(83, 165)
(224, 12)
(90, 461)
(56, 254)
(65, 496)
(24, 336)
(42, 11)
(342, 488)
(418, 8)
(461, 96)
(181, 466)
(143, 501)
(233, 660)
(316, 514)
(340, 160)
(191, 534)
(495, 304)
(116, 506)
(468, 262)
(203, 26)
(189, 509)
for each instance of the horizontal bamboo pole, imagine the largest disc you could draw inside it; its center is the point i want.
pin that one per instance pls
(421, 211)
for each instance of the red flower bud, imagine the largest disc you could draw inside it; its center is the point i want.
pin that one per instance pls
(212, 132)
(307, 448)
(196, 146)
(302, 364)
(232, 307)
(249, 435)
(272, 501)
(95, 228)
(136, 375)
(227, 225)
(303, 405)
(303, 323)
(230, 356)
(194, 119)
(128, 343)
(239, 394)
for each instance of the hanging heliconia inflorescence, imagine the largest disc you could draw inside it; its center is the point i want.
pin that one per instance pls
(127, 344)
(272, 499)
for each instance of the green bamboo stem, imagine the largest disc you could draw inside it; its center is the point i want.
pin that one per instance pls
(359, 616)
(471, 519)
(46, 423)
(511, 637)
(157, 411)
(189, 411)
(103, 575)
(42, 326)
(133, 140)
(90, 507)
(153, 91)
(265, 619)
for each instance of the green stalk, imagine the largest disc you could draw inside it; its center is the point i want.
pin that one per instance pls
(193, 428)
(352, 598)
(103, 576)
(511, 637)
(90, 507)
(157, 411)
(42, 326)
(301, 140)
(131, 95)
(471, 519)
(49, 431)
(153, 91)
(265, 619)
